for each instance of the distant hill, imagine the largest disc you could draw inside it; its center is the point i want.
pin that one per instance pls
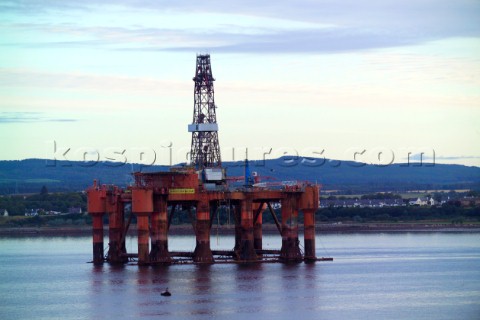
(28, 176)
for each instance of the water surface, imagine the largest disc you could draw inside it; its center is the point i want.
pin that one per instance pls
(373, 276)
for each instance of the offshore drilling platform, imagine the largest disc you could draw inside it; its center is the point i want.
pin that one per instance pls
(201, 189)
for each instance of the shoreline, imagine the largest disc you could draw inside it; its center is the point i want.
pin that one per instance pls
(267, 229)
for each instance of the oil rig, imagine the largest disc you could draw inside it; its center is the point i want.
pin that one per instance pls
(202, 188)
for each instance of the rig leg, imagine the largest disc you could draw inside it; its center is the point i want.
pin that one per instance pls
(116, 226)
(97, 238)
(309, 234)
(159, 252)
(143, 238)
(257, 225)
(238, 229)
(142, 207)
(247, 249)
(290, 244)
(203, 253)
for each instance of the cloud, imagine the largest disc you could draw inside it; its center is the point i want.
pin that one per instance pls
(456, 157)
(355, 25)
(11, 77)
(429, 156)
(306, 41)
(30, 117)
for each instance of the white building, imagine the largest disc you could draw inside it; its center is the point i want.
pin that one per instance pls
(422, 202)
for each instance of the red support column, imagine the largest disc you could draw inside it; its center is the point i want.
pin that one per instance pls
(308, 203)
(155, 232)
(247, 251)
(290, 244)
(116, 226)
(257, 225)
(309, 234)
(203, 253)
(97, 238)
(143, 238)
(96, 208)
(142, 207)
(238, 229)
(159, 252)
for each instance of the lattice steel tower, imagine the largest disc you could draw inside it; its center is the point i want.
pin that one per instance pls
(205, 151)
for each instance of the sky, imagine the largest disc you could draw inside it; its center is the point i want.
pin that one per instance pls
(373, 81)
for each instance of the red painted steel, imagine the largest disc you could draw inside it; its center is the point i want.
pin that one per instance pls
(143, 238)
(97, 207)
(309, 234)
(154, 192)
(247, 249)
(159, 232)
(203, 253)
(142, 200)
(142, 207)
(290, 250)
(116, 227)
(97, 223)
(308, 204)
(257, 225)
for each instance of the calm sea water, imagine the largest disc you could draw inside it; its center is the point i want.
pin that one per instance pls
(373, 276)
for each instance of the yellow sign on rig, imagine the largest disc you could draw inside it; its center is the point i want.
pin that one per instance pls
(181, 191)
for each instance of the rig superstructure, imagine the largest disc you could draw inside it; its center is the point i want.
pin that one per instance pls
(201, 189)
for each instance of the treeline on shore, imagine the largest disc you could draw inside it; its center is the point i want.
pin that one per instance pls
(451, 213)
(447, 214)
(44, 202)
(18, 205)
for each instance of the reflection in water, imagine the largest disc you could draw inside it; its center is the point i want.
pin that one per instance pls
(152, 281)
(250, 280)
(200, 288)
(248, 277)
(97, 279)
(289, 282)
(160, 278)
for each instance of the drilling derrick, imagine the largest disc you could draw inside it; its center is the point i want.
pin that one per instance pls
(205, 151)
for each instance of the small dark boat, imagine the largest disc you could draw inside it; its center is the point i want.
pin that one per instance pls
(166, 293)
